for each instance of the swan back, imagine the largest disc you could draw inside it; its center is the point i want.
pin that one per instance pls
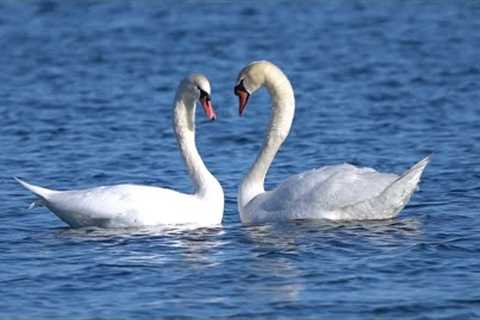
(329, 187)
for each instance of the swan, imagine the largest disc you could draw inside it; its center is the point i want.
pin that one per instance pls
(336, 192)
(129, 205)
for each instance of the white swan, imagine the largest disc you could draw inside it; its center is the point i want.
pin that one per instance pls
(340, 192)
(129, 205)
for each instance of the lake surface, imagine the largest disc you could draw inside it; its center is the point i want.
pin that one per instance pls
(85, 100)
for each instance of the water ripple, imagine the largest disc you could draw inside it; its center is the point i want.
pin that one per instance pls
(85, 93)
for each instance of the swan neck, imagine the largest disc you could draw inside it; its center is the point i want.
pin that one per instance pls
(283, 110)
(184, 127)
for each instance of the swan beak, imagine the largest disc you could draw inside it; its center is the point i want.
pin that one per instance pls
(208, 108)
(243, 96)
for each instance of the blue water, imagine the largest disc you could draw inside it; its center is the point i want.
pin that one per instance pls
(85, 95)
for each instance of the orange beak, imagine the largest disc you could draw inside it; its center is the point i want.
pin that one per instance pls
(243, 96)
(208, 108)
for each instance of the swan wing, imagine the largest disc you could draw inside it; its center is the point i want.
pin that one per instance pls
(114, 206)
(123, 206)
(340, 192)
(390, 201)
(328, 187)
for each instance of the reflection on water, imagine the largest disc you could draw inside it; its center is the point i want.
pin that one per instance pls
(280, 248)
(283, 236)
(160, 244)
(85, 94)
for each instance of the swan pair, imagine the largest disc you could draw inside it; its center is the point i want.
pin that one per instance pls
(340, 192)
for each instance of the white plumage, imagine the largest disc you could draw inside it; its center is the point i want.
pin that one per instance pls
(339, 192)
(129, 205)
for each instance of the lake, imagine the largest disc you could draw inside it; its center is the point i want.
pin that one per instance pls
(85, 99)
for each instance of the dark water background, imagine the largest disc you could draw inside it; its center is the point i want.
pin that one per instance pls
(85, 95)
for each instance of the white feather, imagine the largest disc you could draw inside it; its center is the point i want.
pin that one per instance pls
(134, 205)
(340, 192)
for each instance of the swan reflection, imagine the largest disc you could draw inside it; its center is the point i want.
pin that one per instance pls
(154, 246)
(279, 250)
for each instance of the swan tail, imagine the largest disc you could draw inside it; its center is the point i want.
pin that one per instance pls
(40, 192)
(399, 192)
(393, 199)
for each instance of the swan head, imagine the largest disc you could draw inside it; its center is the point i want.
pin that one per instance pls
(249, 80)
(198, 87)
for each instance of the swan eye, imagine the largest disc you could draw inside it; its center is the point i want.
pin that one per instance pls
(240, 87)
(203, 94)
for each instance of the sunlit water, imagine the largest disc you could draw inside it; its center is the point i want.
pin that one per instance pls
(85, 94)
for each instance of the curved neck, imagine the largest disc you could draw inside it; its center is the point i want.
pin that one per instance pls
(283, 110)
(184, 126)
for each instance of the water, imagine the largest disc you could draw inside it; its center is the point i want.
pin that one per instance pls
(85, 94)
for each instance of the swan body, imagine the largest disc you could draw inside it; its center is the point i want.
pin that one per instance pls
(338, 192)
(129, 205)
